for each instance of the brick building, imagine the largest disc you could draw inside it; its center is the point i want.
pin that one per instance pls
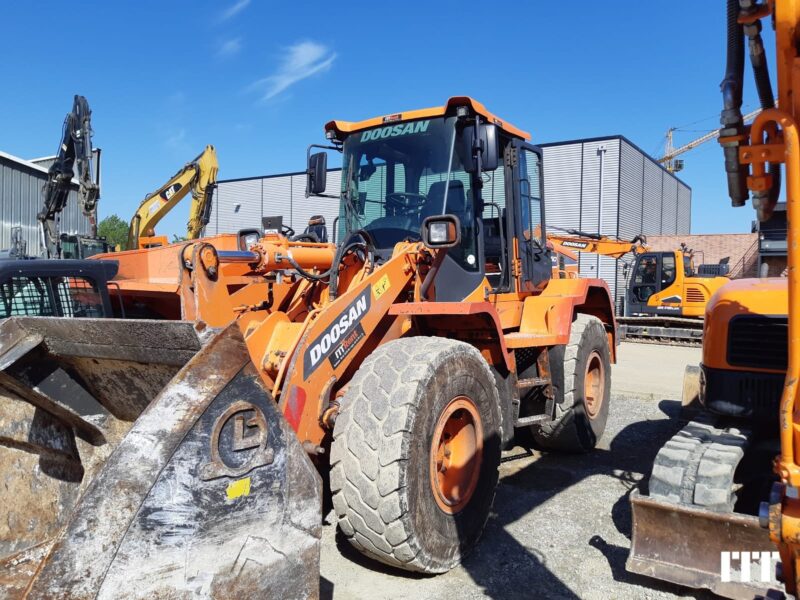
(741, 249)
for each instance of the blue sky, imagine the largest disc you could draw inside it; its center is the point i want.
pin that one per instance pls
(259, 78)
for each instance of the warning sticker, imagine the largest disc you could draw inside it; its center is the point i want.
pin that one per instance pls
(381, 286)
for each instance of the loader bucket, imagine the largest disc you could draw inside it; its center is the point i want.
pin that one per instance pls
(145, 459)
(684, 545)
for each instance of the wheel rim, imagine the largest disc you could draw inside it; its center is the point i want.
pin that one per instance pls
(456, 453)
(594, 385)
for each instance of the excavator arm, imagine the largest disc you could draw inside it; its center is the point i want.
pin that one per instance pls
(74, 150)
(579, 241)
(197, 177)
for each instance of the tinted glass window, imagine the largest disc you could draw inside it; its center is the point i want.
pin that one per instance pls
(395, 176)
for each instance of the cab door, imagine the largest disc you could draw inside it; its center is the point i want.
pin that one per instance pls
(529, 199)
(655, 287)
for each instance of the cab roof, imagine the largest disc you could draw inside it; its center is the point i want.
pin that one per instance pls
(347, 127)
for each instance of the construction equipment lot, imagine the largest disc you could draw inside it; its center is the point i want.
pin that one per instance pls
(561, 524)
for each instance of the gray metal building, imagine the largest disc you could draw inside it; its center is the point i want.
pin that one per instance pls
(240, 203)
(609, 186)
(606, 185)
(21, 184)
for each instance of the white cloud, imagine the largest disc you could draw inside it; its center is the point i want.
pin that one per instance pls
(229, 48)
(300, 61)
(234, 10)
(176, 138)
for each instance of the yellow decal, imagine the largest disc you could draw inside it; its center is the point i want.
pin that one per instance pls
(239, 488)
(381, 286)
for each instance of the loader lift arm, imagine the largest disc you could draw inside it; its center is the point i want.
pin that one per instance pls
(198, 177)
(75, 149)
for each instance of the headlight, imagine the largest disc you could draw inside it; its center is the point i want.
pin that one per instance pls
(441, 231)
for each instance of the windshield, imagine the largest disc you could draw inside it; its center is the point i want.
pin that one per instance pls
(70, 249)
(92, 247)
(394, 176)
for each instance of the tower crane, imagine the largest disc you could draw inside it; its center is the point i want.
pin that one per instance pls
(669, 161)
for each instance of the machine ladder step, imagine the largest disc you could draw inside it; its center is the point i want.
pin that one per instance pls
(532, 420)
(532, 382)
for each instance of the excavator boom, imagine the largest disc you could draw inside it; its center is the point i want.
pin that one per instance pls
(74, 150)
(198, 177)
(579, 241)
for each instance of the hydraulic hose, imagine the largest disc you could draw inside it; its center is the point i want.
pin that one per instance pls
(731, 117)
(763, 201)
(333, 281)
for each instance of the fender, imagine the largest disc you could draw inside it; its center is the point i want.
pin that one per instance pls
(550, 314)
(477, 323)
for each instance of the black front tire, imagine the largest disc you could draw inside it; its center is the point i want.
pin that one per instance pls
(381, 481)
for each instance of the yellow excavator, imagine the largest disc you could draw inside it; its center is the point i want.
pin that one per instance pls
(197, 176)
(665, 295)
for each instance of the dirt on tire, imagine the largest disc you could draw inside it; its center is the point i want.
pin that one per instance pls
(383, 491)
(574, 427)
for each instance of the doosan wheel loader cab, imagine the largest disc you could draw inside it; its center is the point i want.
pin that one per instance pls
(395, 173)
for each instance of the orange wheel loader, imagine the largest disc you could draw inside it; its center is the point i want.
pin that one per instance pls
(401, 361)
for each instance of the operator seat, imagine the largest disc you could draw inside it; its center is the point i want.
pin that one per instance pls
(456, 200)
(316, 226)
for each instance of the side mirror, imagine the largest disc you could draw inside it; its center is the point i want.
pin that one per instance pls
(441, 231)
(486, 139)
(316, 174)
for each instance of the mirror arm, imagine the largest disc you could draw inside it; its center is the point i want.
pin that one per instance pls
(477, 147)
(428, 281)
(308, 150)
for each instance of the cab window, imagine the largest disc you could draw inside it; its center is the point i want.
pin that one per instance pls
(667, 270)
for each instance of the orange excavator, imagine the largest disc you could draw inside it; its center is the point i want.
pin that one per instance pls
(580, 241)
(398, 362)
(723, 492)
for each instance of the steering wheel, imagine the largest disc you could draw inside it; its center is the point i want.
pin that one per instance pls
(405, 203)
(287, 231)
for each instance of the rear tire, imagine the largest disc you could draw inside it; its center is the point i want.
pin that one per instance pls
(414, 406)
(582, 389)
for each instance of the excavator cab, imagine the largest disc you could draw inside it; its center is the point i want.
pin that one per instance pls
(653, 274)
(666, 284)
(80, 247)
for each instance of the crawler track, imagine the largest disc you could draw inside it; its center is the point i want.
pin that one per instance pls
(674, 331)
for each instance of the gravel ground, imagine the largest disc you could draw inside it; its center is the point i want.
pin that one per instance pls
(560, 527)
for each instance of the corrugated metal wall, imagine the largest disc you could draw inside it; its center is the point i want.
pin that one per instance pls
(21, 200)
(239, 204)
(562, 183)
(669, 206)
(638, 196)
(631, 194)
(599, 202)
(684, 209)
(652, 198)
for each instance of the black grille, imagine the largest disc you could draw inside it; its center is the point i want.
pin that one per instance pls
(758, 342)
(743, 394)
(50, 297)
